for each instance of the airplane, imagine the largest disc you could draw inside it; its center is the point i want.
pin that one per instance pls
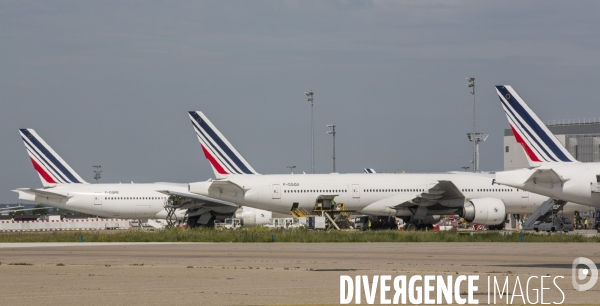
(65, 189)
(553, 171)
(419, 199)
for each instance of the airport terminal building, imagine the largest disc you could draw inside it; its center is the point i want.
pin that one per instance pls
(581, 138)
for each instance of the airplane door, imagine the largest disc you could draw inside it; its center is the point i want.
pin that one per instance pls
(355, 191)
(524, 194)
(276, 191)
(97, 199)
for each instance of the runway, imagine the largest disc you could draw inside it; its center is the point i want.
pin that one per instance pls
(257, 274)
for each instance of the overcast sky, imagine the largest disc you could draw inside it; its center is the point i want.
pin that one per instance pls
(110, 82)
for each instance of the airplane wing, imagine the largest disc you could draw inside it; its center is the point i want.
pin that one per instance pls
(193, 201)
(443, 193)
(42, 193)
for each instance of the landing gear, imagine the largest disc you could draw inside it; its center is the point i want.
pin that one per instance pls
(192, 222)
(498, 227)
(417, 225)
(205, 219)
(411, 227)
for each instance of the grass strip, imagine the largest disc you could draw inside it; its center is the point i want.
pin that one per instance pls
(259, 234)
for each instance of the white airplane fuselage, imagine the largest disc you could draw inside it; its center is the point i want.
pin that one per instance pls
(131, 201)
(359, 191)
(580, 183)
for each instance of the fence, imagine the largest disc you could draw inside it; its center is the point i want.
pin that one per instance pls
(63, 225)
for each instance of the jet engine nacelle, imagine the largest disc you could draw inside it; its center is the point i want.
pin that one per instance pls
(486, 211)
(253, 216)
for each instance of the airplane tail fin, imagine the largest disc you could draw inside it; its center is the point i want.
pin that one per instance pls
(540, 145)
(223, 157)
(51, 168)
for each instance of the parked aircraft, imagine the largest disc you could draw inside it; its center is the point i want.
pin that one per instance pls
(418, 199)
(554, 172)
(65, 189)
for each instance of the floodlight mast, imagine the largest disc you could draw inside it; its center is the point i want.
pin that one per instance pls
(291, 169)
(332, 132)
(309, 98)
(471, 85)
(97, 172)
(475, 137)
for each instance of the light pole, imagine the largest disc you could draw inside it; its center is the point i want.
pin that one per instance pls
(472, 86)
(475, 137)
(465, 168)
(332, 126)
(97, 172)
(291, 169)
(309, 97)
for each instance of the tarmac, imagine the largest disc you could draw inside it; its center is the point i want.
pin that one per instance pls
(267, 273)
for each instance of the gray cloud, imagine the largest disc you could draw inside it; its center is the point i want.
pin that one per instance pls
(110, 82)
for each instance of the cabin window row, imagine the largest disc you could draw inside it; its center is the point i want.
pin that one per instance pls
(490, 190)
(393, 190)
(307, 191)
(135, 198)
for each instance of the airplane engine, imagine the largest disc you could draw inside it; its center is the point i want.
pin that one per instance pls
(485, 211)
(253, 216)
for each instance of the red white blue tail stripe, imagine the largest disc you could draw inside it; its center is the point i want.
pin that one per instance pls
(49, 165)
(539, 143)
(223, 157)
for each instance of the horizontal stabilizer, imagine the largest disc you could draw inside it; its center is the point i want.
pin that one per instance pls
(546, 176)
(521, 177)
(227, 186)
(42, 193)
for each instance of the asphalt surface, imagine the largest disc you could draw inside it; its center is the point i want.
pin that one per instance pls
(268, 273)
